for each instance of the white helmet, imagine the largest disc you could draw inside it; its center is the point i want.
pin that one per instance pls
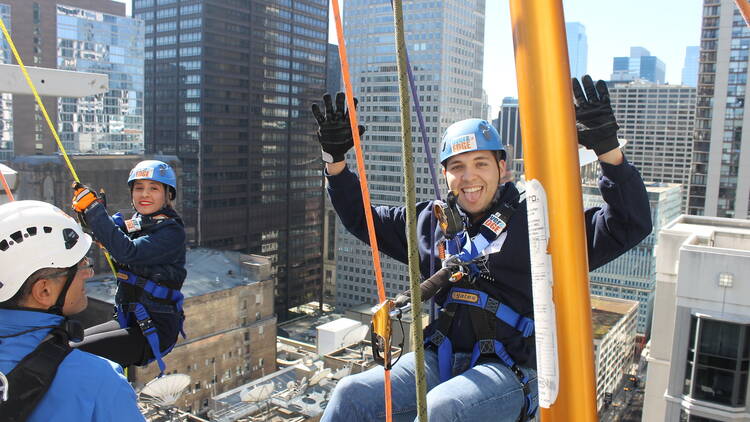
(36, 235)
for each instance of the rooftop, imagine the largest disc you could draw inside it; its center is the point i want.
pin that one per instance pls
(605, 312)
(304, 329)
(715, 232)
(293, 392)
(208, 271)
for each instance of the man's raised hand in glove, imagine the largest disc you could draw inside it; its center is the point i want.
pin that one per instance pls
(334, 132)
(595, 120)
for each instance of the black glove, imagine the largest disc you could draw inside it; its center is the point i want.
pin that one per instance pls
(595, 121)
(335, 133)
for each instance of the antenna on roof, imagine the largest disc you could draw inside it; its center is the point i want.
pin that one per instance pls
(164, 391)
(260, 393)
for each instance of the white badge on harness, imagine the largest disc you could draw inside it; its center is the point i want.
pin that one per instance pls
(133, 225)
(545, 328)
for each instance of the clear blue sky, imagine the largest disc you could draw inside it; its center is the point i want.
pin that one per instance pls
(664, 27)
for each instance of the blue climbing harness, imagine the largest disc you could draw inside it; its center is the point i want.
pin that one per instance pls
(141, 315)
(484, 310)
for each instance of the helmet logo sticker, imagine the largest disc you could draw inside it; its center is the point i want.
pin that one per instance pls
(144, 173)
(464, 143)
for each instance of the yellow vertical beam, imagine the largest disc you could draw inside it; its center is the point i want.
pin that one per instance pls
(550, 156)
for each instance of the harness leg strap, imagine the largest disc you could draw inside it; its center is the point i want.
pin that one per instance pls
(149, 331)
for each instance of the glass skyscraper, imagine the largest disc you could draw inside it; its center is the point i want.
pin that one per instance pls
(640, 65)
(77, 35)
(690, 69)
(578, 48)
(90, 41)
(6, 100)
(229, 85)
(720, 179)
(447, 61)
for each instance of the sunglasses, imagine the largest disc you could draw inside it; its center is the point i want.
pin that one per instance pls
(82, 265)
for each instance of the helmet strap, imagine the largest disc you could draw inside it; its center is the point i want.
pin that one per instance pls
(57, 308)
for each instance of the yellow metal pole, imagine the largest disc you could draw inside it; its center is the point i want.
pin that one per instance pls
(550, 156)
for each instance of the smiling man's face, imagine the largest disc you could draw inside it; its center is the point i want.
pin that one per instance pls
(474, 177)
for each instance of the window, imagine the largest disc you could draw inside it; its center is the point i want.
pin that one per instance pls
(717, 362)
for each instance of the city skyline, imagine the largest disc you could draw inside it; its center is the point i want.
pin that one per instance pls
(635, 25)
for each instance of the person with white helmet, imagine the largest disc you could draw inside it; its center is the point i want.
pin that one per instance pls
(149, 252)
(480, 352)
(44, 269)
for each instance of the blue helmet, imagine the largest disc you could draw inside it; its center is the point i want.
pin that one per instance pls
(469, 135)
(157, 171)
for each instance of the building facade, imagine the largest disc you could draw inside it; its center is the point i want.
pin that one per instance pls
(698, 364)
(333, 70)
(509, 128)
(578, 48)
(614, 322)
(6, 100)
(229, 85)
(658, 122)
(639, 65)
(229, 322)
(80, 35)
(632, 276)
(447, 62)
(690, 69)
(720, 179)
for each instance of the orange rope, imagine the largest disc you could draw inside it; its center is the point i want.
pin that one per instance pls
(744, 7)
(362, 183)
(6, 187)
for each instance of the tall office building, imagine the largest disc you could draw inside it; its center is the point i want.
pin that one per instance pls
(658, 122)
(720, 180)
(88, 36)
(578, 48)
(509, 128)
(613, 322)
(690, 69)
(632, 276)
(698, 362)
(447, 63)
(333, 86)
(229, 86)
(333, 70)
(6, 100)
(640, 65)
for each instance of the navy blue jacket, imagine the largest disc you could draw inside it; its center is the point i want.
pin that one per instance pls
(155, 253)
(611, 230)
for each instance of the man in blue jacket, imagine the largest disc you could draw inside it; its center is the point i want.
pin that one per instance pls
(44, 269)
(479, 360)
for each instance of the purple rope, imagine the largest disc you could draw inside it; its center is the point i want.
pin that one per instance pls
(427, 150)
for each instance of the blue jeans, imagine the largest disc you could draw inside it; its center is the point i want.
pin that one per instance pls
(487, 392)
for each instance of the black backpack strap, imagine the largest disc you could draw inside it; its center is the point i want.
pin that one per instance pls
(29, 381)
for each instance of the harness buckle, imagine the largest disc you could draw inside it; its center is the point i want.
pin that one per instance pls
(146, 325)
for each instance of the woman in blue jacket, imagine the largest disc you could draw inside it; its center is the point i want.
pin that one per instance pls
(149, 254)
